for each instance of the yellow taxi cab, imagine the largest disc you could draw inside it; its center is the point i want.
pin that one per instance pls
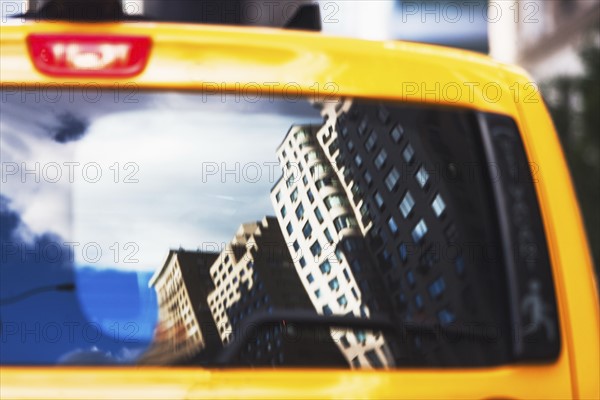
(444, 163)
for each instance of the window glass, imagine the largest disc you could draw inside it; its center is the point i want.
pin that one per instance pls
(325, 267)
(391, 180)
(408, 153)
(300, 211)
(392, 225)
(334, 284)
(438, 205)
(335, 201)
(368, 178)
(162, 227)
(294, 195)
(328, 235)
(422, 176)
(371, 141)
(379, 200)
(319, 216)
(345, 221)
(307, 230)
(381, 159)
(407, 204)
(419, 231)
(397, 133)
(315, 249)
(358, 161)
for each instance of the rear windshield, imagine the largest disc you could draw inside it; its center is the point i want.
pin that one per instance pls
(174, 228)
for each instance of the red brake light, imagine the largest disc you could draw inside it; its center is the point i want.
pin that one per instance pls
(89, 55)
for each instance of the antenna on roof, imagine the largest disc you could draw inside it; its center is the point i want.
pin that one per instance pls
(78, 10)
(307, 17)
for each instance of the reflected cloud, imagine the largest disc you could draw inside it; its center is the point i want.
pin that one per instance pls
(70, 128)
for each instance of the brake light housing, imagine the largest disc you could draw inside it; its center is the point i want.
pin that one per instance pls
(69, 55)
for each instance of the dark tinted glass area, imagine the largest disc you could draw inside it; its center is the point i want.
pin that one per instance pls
(174, 228)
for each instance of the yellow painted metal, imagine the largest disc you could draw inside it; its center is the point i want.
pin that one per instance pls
(264, 62)
(521, 382)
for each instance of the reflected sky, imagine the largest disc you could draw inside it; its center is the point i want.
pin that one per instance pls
(170, 171)
(109, 187)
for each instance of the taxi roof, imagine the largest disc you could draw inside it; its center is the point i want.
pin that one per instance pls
(278, 61)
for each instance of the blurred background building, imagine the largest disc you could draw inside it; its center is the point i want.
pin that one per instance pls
(545, 38)
(558, 43)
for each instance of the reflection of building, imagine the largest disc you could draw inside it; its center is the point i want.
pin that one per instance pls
(421, 212)
(185, 325)
(255, 274)
(387, 181)
(252, 274)
(326, 243)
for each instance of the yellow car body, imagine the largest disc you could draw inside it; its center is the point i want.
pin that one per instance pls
(263, 60)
